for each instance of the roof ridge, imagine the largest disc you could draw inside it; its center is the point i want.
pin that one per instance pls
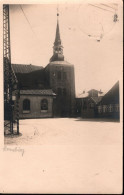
(26, 68)
(37, 92)
(26, 65)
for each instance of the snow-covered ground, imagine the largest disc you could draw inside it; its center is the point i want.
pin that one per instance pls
(66, 131)
(69, 155)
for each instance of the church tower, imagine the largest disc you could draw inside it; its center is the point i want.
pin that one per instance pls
(60, 78)
(57, 48)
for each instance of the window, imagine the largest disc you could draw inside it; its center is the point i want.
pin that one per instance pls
(44, 104)
(59, 75)
(26, 106)
(110, 108)
(104, 108)
(99, 109)
(116, 107)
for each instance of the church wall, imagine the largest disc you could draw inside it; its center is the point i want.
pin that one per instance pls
(35, 107)
(65, 101)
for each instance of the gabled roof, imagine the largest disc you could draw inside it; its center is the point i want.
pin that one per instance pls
(21, 68)
(47, 92)
(86, 94)
(83, 95)
(112, 96)
(97, 99)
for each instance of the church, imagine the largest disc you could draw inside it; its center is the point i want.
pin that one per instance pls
(50, 91)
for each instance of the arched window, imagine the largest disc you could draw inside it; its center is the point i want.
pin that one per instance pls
(26, 105)
(44, 104)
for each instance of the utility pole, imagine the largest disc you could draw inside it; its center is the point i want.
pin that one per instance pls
(11, 91)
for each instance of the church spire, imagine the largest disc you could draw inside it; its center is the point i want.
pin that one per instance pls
(57, 38)
(57, 48)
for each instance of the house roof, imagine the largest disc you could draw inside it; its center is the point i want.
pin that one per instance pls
(95, 90)
(21, 68)
(112, 96)
(46, 92)
(83, 95)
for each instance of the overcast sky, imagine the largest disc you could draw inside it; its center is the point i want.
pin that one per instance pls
(98, 64)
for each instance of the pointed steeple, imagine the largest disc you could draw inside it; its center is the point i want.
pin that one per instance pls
(57, 38)
(57, 48)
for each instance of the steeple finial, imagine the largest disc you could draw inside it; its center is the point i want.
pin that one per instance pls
(57, 12)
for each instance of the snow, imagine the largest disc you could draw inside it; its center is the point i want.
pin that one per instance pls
(66, 131)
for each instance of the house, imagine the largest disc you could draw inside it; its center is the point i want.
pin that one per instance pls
(109, 106)
(86, 103)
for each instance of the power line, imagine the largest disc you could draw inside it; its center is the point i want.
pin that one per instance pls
(27, 19)
(101, 8)
(109, 6)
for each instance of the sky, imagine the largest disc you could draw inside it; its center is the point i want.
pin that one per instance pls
(91, 40)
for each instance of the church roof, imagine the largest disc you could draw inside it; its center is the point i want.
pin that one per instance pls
(57, 38)
(57, 48)
(47, 92)
(29, 76)
(57, 57)
(60, 63)
(21, 68)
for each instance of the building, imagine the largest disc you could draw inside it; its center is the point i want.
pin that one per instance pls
(60, 78)
(93, 104)
(86, 103)
(49, 91)
(109, 106)
(36, 103)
